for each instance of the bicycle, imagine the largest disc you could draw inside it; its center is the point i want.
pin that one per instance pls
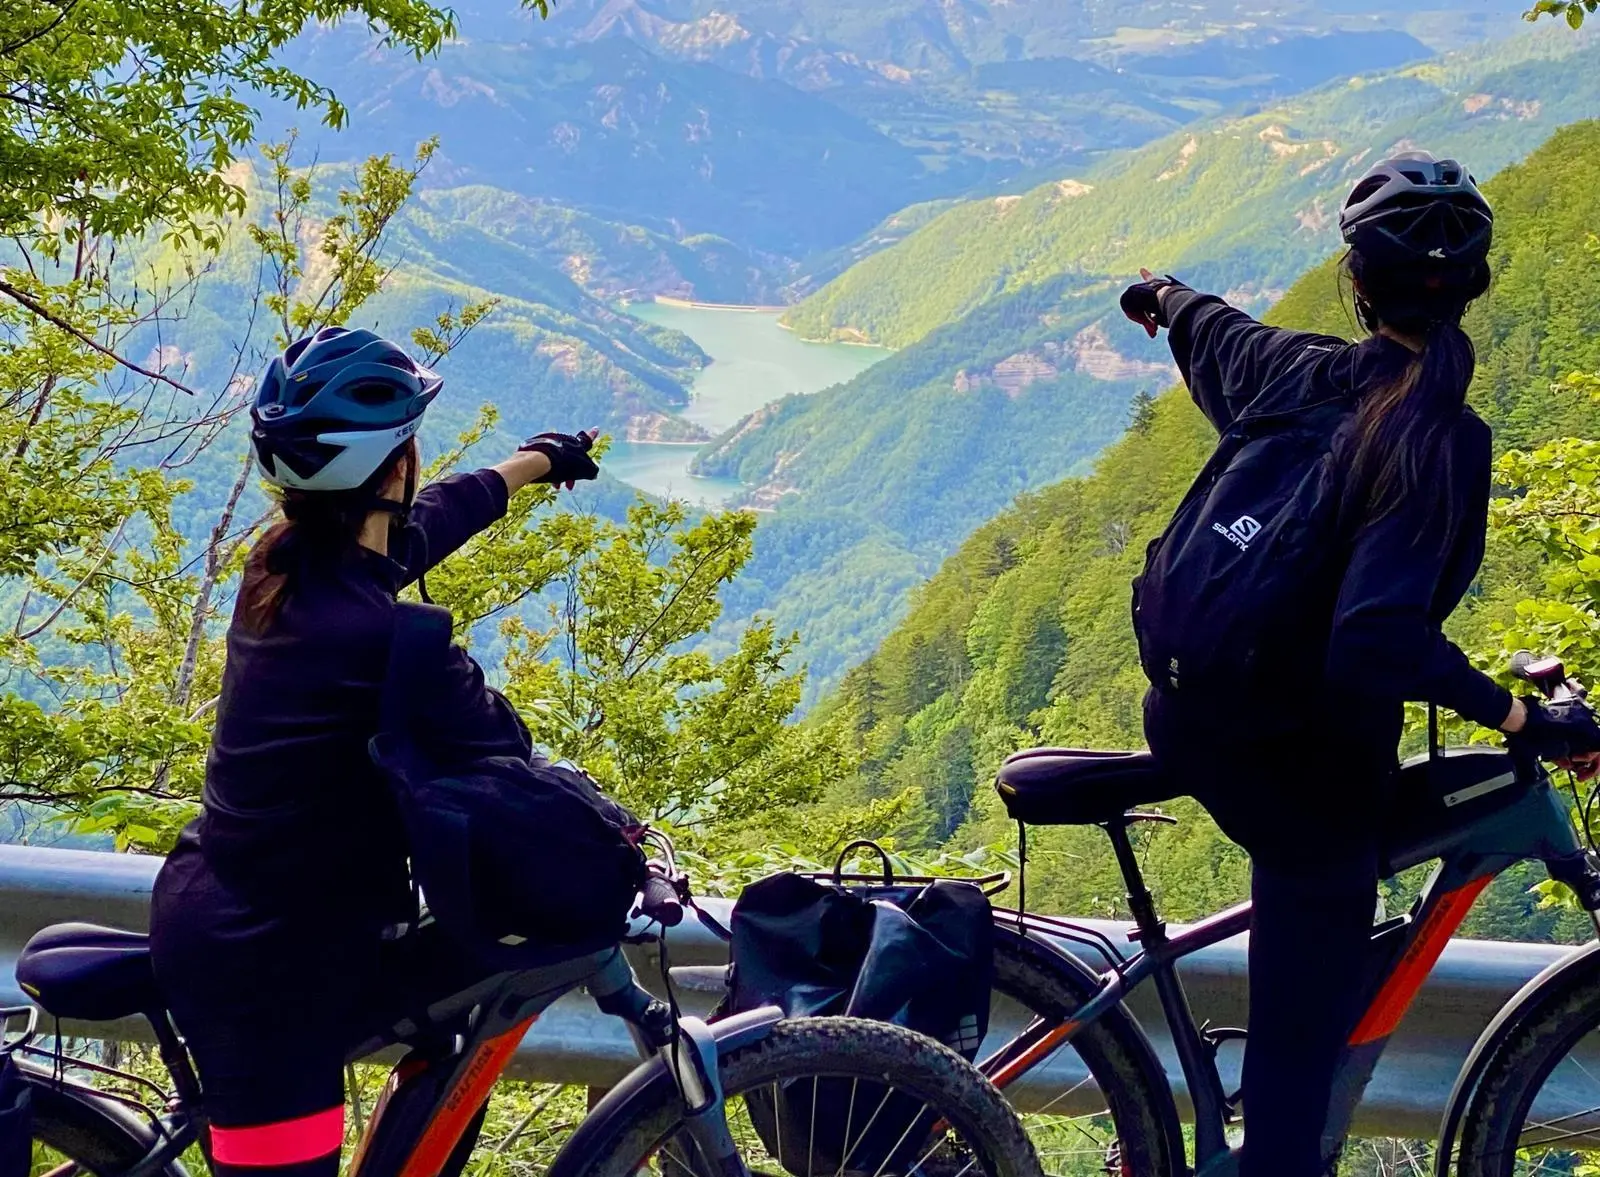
(1526, 1101)
(702, 1103)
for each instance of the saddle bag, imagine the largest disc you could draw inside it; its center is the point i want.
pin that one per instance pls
(917, 954)
(517, 860)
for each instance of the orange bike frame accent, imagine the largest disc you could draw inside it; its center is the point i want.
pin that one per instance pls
(1029, 1058)
(450, 1120)
(1403, 982)
(404, 1070)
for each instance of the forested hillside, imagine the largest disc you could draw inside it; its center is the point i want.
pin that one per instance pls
(1238, 203)
(910, 456)
(1024, 636)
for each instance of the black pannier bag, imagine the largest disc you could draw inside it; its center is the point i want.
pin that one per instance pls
(16, 1112)
(1236, 590)
(918, 954)
(517, 860)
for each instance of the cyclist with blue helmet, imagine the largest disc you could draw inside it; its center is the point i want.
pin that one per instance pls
(291, 888)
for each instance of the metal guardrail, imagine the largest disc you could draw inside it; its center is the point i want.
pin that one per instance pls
(574, 1043)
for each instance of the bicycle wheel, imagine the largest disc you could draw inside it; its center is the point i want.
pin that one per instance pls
(1091, 1105)
(72, 1137)
(821, 1097)
(1537, 1108)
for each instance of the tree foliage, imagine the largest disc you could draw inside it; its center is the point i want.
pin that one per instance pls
(121, 114)
(1573, 11)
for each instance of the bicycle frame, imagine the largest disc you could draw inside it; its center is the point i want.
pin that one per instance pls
(460, 1047)
(1528, 821)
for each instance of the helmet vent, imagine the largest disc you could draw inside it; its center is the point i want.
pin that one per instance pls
(1414, 177)
(299, 392)
(370, 392)
(1364, 190)
(398, 361)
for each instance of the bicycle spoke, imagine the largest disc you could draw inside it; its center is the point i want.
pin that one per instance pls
(778, 1120)
(811, 1142)
(1560, 1136)
(849, 1116)
(850, 1149)
(889, 1156)
(1073, 1090)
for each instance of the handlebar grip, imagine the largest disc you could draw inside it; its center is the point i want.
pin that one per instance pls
(1546, 673)
(659, 901)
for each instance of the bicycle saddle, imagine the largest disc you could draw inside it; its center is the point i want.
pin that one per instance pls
(1071, 786)
(86, 971)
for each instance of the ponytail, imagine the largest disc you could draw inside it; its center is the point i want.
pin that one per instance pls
(319, 528)
(1400, 442)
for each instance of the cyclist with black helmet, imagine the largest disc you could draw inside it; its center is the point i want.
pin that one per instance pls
(276, 920)
(1288, 735)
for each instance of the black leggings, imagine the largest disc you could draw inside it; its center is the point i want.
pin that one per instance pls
(271, 997)
(1308, 819)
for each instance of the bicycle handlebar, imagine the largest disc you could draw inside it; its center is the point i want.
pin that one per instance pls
(660, 901)
(1548, 675)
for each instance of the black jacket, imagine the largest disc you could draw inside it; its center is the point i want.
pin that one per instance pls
(293, 806)
(1384, 642)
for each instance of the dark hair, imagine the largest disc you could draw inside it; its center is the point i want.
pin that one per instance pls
(1402, 428)
(322, 526)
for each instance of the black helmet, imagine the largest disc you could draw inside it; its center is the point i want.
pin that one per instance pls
(333, 407)
(1414, 207)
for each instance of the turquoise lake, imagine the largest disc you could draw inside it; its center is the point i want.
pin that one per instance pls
(753, 363)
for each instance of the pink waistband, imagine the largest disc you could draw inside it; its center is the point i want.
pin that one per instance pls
(288, 1142)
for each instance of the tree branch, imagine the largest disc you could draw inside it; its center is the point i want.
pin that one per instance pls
(61, 606)
(30, 304)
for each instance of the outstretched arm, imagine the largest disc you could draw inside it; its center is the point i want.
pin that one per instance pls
(447, 513)
(1226, 357)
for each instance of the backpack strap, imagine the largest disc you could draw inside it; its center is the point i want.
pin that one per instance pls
(421, 639)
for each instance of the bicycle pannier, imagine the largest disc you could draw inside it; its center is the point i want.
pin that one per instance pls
(919, 955)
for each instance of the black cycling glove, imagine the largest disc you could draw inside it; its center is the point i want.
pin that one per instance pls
(1556, 731)
(1141, 302)
(569, 456)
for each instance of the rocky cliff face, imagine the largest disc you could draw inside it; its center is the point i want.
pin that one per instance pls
(663, 428)
(1089, 352)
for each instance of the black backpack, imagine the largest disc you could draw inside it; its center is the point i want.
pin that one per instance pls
(1239, 589)
(518, 861)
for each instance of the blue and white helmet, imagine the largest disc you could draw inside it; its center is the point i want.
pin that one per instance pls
(332, 408)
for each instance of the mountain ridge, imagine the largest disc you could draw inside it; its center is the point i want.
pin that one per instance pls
(1282, 169)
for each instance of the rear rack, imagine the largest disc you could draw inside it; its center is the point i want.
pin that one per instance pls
(29, 1015)
(990, 885)
(1065, 929)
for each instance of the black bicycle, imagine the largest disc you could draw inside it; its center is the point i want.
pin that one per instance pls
(1528, 1098)
(753, 1094)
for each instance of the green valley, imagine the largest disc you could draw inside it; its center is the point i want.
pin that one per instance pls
(1019, 369)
